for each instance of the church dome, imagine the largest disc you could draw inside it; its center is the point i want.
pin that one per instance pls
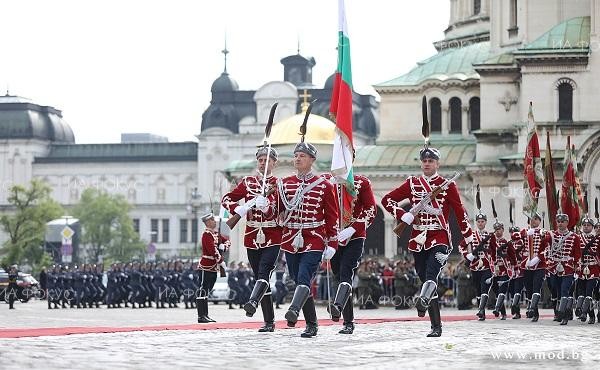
(22, 119)
(330, 81)
(224, 84)
(319, 130)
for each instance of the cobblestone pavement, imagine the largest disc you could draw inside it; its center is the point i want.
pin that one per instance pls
(464, 345)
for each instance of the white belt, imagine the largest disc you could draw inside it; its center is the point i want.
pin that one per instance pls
(427, 227)
(308, 225)
(209, 257)
(257, 224)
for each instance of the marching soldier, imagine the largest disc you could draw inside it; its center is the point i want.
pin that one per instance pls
(212, 244)
(519, 274)
(309, 230)
(590, 271)
(534, 264)
(430, 236)
(262, 237)
(564, 260)
(478, 255)
(503, 265)
(347, 257)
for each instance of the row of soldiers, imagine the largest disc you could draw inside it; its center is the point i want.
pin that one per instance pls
(135, 283)
(568, 261)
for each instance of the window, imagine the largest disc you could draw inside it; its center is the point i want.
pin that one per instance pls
(565, 102)
(165, 230)
(154, 230)
(136, 225)
(513, 29)
(435, 108)
(476, 7)
(475, 123)
(183, 230)
(455, 116)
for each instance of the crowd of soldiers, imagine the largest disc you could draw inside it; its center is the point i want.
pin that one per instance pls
(140, 285)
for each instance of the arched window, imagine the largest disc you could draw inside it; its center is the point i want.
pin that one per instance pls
(435, 109)
(476, 7)
(455, 116)
(475, 123)
(565, 102)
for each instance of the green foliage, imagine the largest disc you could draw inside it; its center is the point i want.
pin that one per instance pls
(107, 229)
(26, 226)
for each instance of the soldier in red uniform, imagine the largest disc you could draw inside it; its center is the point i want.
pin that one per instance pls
(478, 255)
(212, 244)
(590, 271)
(519, 275)
(564, 260)
(309, 231)
(430, 236)
(503, 264)
(262, 237)
(347, 258)
(533, 263)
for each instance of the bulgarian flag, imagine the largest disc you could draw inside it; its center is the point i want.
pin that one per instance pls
(571, 197)
(532, 168)
(341, 112)
(551, 199)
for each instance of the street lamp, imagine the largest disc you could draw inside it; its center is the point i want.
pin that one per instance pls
(192, 208)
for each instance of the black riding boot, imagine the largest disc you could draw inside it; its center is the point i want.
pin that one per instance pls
(310, 316)
(266, 304)
(202, 308)
(482, 304)
(535, 314)
(516, 306)
(499, 305)
(341, 297)
(260, 288)
(428, 291)
(348, 315)
(587, 304)
(435, 318)
(300, 296)
(579, 305)
(562, 311)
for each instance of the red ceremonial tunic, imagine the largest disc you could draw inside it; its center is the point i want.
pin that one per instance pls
(434, 227)
(590, 257)
(211, 258)
(503, 257)
(563, 252)
(519, 247)
(312, 212)
(535, 244)
(482, 262)
(256, 220)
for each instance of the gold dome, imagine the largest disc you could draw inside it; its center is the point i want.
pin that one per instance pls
(319, 130)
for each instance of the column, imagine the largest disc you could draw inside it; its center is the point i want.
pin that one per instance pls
(445, 118)
(484, 7)
(465, 120)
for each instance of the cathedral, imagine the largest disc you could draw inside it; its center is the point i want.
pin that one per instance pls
(495, 58)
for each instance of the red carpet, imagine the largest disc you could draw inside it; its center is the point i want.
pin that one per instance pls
(39, 332)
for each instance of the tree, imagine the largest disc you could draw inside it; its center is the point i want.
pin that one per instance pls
(107, 229)
(33, 208)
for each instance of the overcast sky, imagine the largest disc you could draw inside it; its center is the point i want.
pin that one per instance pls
(147, 66)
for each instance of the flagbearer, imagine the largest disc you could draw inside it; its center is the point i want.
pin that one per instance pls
(430, 235)
(351, 242)
(309, 232)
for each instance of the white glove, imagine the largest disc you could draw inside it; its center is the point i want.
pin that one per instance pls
(407, 218)
(241, 210)
(262, 203)
(575, 276)
(488, 280)
(469, 239)
(534, 261)
(530, 232)
(346, 233)
(328, 253)
(221, 247)
(224, 265)
(470, 257)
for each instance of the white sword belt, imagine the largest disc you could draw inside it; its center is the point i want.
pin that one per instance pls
(427, 227)
(257, 224)
(307, 225)
(209, 257)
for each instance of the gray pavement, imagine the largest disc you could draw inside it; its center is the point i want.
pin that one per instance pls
(465, 344)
